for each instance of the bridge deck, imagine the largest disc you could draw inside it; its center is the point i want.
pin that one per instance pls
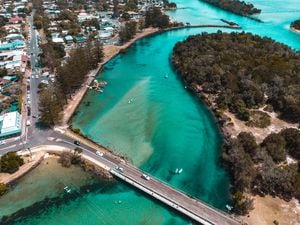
(193, 208)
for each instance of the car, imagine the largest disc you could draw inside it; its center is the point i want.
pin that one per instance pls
(146, 177)
(28, 123)
(99, 153)
(120, 169)
(2, 142)
(34, 116)
(77, 143)
(37, 76)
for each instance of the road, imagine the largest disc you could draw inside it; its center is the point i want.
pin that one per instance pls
(35, 136)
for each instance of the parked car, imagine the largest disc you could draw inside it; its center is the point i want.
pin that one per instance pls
(2, 142)
(99, 153)
(77, 143)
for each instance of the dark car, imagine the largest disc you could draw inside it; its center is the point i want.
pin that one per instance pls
(77, 143)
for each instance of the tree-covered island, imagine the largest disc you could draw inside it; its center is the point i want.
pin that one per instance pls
(244, 73)
(238, 7)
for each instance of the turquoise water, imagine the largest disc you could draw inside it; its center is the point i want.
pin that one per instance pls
(157, 124)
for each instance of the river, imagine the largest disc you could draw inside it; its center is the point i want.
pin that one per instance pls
(146, 114)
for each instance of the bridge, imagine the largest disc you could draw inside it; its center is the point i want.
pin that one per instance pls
(35, 138)
(190, 207)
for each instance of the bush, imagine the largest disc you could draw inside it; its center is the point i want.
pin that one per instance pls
(275, 146)
(10, 162)
(3, 189)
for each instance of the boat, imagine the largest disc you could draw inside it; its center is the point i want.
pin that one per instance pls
(228, 207)
(176, 171)
(118, 202)
(166, 76)
(180, 171)
(67, 189)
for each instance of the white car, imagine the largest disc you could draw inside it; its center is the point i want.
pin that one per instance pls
(99, 153)
(37, 76)
(2, 142)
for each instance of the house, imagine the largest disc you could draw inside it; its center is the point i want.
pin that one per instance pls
(69, 39)
(4, 83)
(15, 19)
(10, 124)
(80, 39)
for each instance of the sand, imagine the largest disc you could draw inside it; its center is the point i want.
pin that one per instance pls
(30, 162)
(259, 133)
(267, 209)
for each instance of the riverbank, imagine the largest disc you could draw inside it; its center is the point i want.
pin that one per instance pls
(110, 51)
(295, 30)
(38, 154)
(30, 162)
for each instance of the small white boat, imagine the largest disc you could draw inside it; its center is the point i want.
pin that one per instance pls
(67, 189)
(166, 76)
(180, 171)
(228, 207)
(176, 171)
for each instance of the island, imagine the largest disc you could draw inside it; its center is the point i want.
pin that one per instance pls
(238, 7)
(250, 82)
(295, 26)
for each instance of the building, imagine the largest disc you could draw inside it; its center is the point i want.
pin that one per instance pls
(10, 124)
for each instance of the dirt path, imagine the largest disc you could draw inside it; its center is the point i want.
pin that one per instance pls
(259, 133)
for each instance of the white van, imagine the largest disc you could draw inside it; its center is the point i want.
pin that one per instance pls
(28, 123)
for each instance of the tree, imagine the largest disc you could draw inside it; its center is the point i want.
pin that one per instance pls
(128, 31)
(247, 140)
(50, 104)
(275, 146)
(292, 140)
(10, 162)
(155, 18)
(241, 204)
(3, 189)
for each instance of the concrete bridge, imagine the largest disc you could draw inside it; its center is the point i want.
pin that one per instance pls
(191, 207)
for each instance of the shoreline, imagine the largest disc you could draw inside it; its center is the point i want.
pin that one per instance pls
(294, 30)
(111, 51)
(40, 153)
(8, 179)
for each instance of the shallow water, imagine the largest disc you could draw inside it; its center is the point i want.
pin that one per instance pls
(146, 114)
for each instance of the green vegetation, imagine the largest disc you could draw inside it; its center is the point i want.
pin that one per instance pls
(10, 162)
(259, 119)
(128, 31)
(235, 6)
(67, 158)
(169, 5)
(70, 76)
(3, 189)
(243, 71)
(296, 25)
(52, 54)
(260, 168)
(155, 18)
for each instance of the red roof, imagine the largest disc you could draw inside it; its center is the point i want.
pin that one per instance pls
(24, 58)
(3, 81)
(15, 19)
